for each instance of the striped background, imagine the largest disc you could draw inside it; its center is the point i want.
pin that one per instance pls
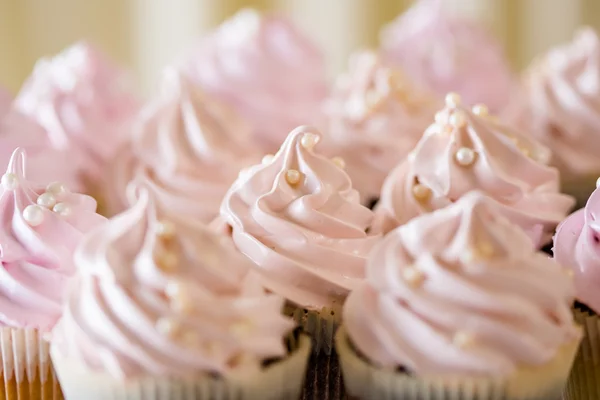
(146, 34)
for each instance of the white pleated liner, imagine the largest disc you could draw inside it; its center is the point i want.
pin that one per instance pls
(281, 380)
(584, 381)
(25, 354)
(365, 381)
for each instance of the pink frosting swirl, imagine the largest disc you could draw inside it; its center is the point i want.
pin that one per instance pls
(40, 229)
(577, 247)
(374, 119)
(78, 98)
(189, 149)
(298, 218)
(461, 291)
(260, 63)
(469, 150)
(561, 96)
(166, 298)
(445, 53)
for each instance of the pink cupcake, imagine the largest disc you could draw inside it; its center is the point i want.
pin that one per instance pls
(266, 69)
(577, 247)
(297, 217)
(449, 54)
(188, 148)
(41, 228)
(79, 99)
(458, 304)
(374, 117)
(560, 106)
(469, 150)
(164, 307)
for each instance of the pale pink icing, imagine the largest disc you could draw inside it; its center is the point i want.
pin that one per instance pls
(446, 53)
(78, 97)
(37, 258)
(190, 149)
(561, 104)
(374, 119)
(266, 69)
(308, 239)
(507, 165)
(577, 246)
(132, 315)
(44, 163)
(461, 291)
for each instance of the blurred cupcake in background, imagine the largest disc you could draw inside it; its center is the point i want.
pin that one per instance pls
(374, 118)
(41, 227)
(458, 304)
(188, 148)
(166, 306)
(80, 99)
(266, 69)
(560, 106)
(466, 150)
(445, 53)
(577, 247)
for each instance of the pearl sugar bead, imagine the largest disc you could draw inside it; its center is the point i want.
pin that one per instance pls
(166, 326)
(165, 229)
(56, 188)
(458, 119)
(62, 209)
(293, 176)
(598, 182)
(46, 200)
(465, 156)
(339, 161)
(421, 193)
(34, 215)
(10, 181)
(309, 140)
(481, 110)
(413, 276)
(452, 100)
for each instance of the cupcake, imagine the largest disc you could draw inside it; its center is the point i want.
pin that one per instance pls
(79, 99)
(164, 307)
(297, 217)
(41, 228)
(446, 53)
(560, 106)
(458, 304)
(189, 148)
(467, 150)
(577, 247)
(261, 63)
(374, 119)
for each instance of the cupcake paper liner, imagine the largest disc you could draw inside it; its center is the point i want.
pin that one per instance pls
(281, 380)
(26, 366)
(584, 381)
(319, 325)
(365, 381)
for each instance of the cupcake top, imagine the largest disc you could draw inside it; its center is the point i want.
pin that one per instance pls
(301, 222)
(461, 291)
(78, 97)
(163, 298)
(577, 247)
(561, 93)
(41, 228)
(469, 150)
(189, 149)
(374, 119)
(258, 63)
(445, 53)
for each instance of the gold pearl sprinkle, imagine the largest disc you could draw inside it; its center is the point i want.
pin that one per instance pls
(339, 161)
(293, 177)
(167, 326)
(309, 140)
(463, 339)
(413, 276)
(167, 261)
(421, 193)
(165, 229)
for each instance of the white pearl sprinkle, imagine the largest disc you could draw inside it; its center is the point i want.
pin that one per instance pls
(10, 181)
(56, 188)
(34, 215)
(293, 176)
(458, 119)
(598, 182)
(465, 156)
(463, 339)
(268, 159)
(481, 110)
(165, 229)
(309, 140)
(452, 100)
(166, 326)
(62, 209)
(339, 161)
(46, 200)
(413, 276)
(421, 193)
